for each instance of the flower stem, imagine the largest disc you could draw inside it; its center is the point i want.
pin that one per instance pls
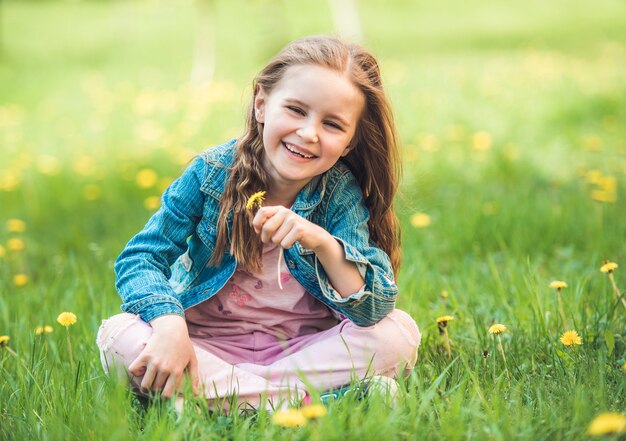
(501, 349)
(280, 261)
(618, 295)
(447, 340)
(558, 296)
(69, 345)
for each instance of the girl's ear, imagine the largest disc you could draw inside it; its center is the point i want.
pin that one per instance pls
(347, 149)
(259, 105)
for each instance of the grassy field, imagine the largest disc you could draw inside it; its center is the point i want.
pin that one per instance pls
(514, 145)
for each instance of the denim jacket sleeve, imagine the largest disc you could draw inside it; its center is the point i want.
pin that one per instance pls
(143, 267)
(346, 219)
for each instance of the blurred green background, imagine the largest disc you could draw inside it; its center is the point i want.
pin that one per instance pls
(512, 119)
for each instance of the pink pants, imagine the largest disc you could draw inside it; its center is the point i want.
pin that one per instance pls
(258, 365)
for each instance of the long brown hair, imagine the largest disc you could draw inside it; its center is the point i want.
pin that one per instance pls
(373, 159)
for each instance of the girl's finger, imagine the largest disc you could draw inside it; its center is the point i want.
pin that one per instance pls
(271, 226)
(159, 380)
(170, 386)
(148, 378)
(138, 367)
(193, 373)
(289, 239)
(262, 215)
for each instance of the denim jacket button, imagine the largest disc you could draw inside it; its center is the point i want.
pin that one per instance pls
(291, 264)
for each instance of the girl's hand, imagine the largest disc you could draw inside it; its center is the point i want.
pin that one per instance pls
(168, 353)
(279, 225)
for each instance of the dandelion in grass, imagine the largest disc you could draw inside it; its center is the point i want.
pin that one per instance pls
(442, 324)
(20, 280)
(607, 423)
(571, 339)
(146, 178)
(289, 418)
(559, 285)
(3, 251)
(496, 330)
(68, 319)
(42, 330)
(16, 226)
(255, 202)
(4, 343)
(16, 244)
(608, 268)
(314, 411)
(420, 220)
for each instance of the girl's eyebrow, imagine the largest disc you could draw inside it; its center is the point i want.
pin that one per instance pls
(301, 104)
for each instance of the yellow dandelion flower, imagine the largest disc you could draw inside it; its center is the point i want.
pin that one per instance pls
(16, 244)
(609, 267)
(3, 251)
(607, 423)
(67, 319)
(16, 226)
(604, 196)
(146, 178)
(481, 141)
(4, 339)
(152, 203)
(571, 338)
(255, 200)
(497, 329)
(445, 319)
(20, 280)
(314, 411)
(420, 220)
(444, 294)
(289, 418)
(47, 329)
(558, 284)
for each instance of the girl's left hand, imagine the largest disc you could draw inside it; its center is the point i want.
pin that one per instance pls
(279, 225)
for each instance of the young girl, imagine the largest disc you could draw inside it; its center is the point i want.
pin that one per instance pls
(199, 283)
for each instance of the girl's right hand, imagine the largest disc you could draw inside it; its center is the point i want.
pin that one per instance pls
(168, 353)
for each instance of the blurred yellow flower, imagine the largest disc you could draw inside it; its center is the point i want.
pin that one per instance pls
(9, 181)
(608, 184)
(16, 226)
(604, 196)
(558, 284)
(3, 251)
(624, 367)
(16, 244)
(4, 339)
(607, 423)
(152, 203)
(592, 142)
(497, 329)
(289, 418)
(445, 319)
(420, 220)
(609, 267)
(481, 141)
(67, 319)
(146, 178)
(85, 165)
(314, 411)
(48, 165)
(593, 176)
(47, 329)
(571, 338)
(255, 200)
(444, 294)
(20, 280)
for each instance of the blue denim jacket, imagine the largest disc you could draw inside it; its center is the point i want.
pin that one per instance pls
(164, 268)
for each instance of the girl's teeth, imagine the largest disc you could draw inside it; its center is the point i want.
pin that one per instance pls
(291, 149)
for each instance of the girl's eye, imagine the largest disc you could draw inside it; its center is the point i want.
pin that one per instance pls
(333, 125)
(296, 109)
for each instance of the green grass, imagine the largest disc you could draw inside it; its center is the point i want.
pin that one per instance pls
(92, 92)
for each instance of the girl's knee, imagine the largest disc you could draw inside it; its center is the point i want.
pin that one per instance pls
(395, 338)
(120, 340)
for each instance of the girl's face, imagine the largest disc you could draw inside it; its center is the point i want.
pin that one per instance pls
(309, 119)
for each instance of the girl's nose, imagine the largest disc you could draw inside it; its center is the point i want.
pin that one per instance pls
(308, 133)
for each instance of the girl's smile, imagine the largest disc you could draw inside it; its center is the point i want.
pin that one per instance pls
(309, 119)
